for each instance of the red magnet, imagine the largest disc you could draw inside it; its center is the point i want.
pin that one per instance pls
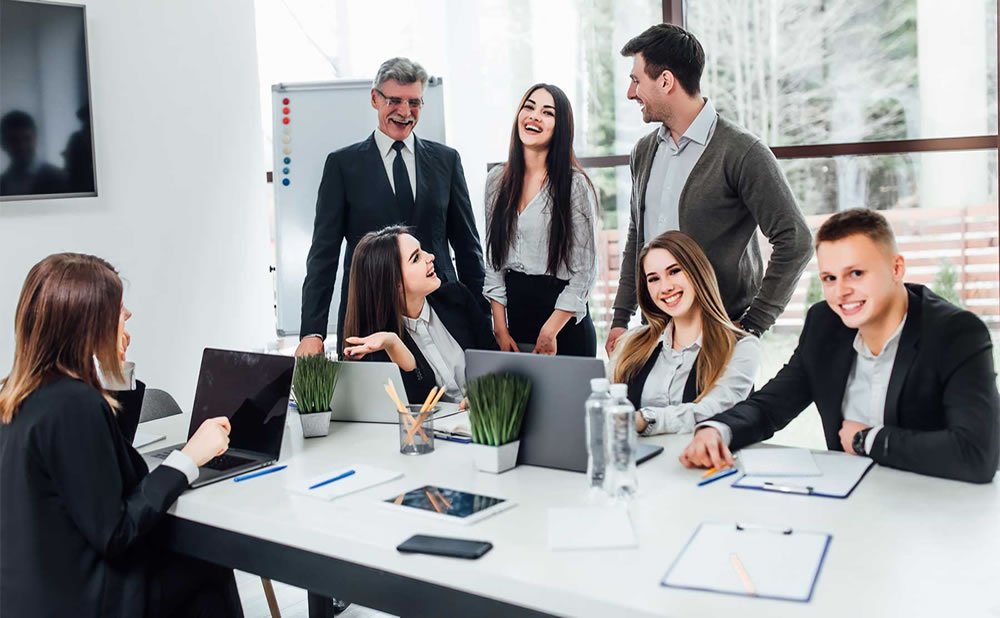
(285, 120)
(285, 110)
(285, 101)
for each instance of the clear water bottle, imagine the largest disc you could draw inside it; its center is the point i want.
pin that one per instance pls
(596, 408)
(621, 482)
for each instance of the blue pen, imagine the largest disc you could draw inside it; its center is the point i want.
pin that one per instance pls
(721, 474)
(451, 437)
(253, 475)
(336, 478)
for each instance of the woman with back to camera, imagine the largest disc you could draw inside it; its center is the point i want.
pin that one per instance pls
(540, 256)
(79, 507)
(398, 310)
(688, 362)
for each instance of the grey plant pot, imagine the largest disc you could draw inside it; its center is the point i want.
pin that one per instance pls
(495, 459)
(315, 424)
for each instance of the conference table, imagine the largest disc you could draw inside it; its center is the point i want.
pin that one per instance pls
(902, 544)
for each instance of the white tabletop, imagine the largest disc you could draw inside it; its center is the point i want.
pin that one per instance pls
(903, 544)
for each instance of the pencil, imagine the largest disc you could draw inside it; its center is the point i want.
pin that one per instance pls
(742, 572)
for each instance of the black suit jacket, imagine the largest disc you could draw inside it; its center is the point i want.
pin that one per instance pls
(941, 410)
(78, 507)
(460, 314)
(355, 198)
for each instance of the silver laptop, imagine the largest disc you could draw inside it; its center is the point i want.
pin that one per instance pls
(360, 393)
(252, 391)
(554, 434)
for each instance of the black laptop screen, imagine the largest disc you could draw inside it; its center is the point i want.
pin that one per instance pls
(251, 390)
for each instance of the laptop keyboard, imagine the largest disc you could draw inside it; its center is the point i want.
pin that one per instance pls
(225, 462)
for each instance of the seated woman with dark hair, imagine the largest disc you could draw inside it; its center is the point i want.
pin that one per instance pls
(79, 507)
(688, 362)
(398, 310)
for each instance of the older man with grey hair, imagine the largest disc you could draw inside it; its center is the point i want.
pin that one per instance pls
(391, 178)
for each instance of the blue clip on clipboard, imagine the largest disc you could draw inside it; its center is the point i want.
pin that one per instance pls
(841, 473)
(776, 563)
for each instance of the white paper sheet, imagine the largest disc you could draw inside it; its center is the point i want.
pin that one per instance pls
(840, 472)
(590, 528)
(778, 462)
(364, 476)
(778, 565)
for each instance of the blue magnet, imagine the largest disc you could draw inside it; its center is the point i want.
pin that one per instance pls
(284, 170)
(287, 160)
(286, 182)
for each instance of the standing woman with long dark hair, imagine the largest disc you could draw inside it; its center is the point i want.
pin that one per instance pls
(540, 238)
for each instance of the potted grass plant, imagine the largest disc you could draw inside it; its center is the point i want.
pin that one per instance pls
(313, 383)
(496, 410)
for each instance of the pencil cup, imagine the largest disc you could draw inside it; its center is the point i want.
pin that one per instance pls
(416, 435)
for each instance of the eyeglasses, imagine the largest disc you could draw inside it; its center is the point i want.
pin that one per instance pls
(396, 101)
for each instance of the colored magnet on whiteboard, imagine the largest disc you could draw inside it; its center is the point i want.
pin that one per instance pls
(286, 138)
(286, 120)
(284, 170)
(286, 160)
(286, 182)
(285, 101)
(286, 150)
(285, 110)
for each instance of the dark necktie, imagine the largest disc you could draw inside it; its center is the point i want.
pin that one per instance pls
(401, 180)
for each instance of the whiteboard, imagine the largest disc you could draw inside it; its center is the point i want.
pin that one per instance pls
(321, 117)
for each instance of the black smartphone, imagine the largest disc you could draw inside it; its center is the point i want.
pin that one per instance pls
(443, 546)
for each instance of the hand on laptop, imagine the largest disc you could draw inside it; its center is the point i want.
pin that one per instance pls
(209, 441)
(707, 450)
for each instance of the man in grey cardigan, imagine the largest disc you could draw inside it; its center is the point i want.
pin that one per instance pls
(710, 179)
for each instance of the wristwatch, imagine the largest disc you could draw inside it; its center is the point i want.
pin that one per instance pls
(858, 442)
(756, 332)
(649, 417)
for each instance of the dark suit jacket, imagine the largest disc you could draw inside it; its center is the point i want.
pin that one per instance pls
(941, 411)
(459, 312)
(638, 382)
(355, 198)
(78, 506)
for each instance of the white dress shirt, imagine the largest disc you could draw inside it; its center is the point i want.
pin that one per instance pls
(672, 164)
(384, 143)
(529, 249)
(662, 402)
(442, 352)
(865, 392)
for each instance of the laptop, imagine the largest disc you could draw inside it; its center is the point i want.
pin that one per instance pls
(554, 433)
(360, 394)
(252, 391)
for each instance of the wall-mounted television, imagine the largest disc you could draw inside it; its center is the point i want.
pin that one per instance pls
(46, 140)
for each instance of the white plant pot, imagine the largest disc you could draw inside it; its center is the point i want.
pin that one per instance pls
(495, 459)
(315, 424)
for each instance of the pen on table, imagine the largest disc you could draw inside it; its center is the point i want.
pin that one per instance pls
(452, 437)
(742, 572)
(718, 475)
(336, 478)
(713, 470)
(788, 489)
(253, 475)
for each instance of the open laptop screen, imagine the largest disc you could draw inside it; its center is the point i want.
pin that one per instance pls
(251, 390)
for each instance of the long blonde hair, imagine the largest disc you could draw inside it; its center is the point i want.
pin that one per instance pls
(718, 335)
(66, 316)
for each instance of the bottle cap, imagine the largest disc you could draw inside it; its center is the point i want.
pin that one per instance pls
(599, 385)
(619, 390)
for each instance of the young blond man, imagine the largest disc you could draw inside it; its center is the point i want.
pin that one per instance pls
(897, 373)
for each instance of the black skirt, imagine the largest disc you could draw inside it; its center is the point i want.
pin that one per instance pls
(531, 299)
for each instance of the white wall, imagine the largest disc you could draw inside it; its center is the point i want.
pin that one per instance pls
(181, 210)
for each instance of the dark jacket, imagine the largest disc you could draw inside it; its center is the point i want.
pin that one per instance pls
(460, 314)
(638, 381)
(78, 506)
(735, 188)
(355, 198)
(942, 406)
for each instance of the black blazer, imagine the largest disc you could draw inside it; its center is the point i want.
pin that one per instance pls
(638, 382)
(460, 314)
(355, 198)
(78, 505)
(941, 410)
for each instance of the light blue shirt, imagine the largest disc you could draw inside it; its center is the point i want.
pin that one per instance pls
(672, 165)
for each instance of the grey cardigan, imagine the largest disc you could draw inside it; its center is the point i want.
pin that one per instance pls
(735, 187)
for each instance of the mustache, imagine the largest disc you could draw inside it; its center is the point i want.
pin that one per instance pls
(401, 120)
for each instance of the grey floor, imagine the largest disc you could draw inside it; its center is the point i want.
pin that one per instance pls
(291, 601)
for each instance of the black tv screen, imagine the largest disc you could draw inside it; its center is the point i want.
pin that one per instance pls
(46, 142)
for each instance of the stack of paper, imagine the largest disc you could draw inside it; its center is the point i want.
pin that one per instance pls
(364, 476)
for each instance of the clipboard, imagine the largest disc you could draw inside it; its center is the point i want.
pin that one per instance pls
(841, 473)
(773, 563)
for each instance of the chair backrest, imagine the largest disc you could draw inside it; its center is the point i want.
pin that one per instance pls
(157, 404)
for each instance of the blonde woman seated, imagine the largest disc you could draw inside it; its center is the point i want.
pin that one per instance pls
(688, 362)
